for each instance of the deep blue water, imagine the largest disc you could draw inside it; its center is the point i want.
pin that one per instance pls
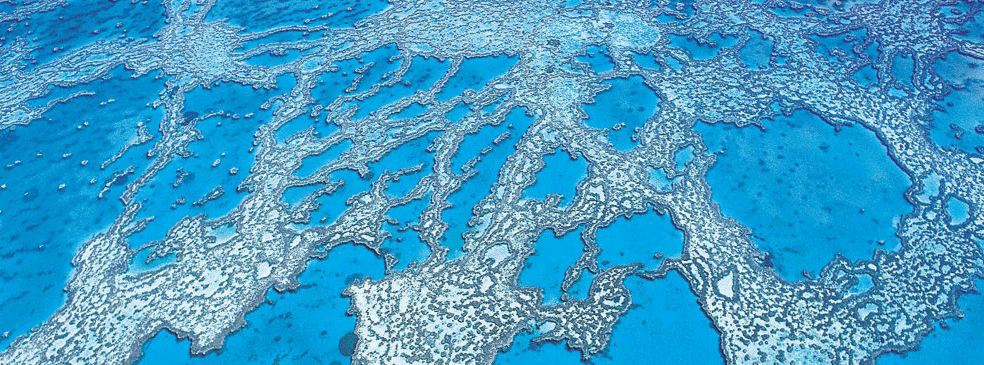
(789, 185)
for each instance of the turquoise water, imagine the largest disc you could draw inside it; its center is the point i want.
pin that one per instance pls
(957, 123)
(953, 344)
(474, 73)
(664, 312)
(787, 183)
(552, 255)
(646, 61)
(306, 326)
(311, 164)
(422, 74)
(621, 242)
(384, 60)
(41, 225)
(597, 59)
(408, 155)
(405, 243)
(479, 186)
(560, 174)
(331, 206)
(79, 22)
(228, 138)
(627, 103)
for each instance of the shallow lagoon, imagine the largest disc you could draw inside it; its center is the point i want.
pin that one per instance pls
(789, 185)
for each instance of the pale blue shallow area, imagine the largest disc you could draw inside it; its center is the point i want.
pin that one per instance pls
(757, 51)
(806, 190)
(957, 344)
(267, 14)
(958, 210)
(703, 49)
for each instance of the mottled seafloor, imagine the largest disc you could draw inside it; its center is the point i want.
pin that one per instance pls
(469, 182)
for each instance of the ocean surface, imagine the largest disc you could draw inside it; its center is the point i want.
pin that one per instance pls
(786, 181)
